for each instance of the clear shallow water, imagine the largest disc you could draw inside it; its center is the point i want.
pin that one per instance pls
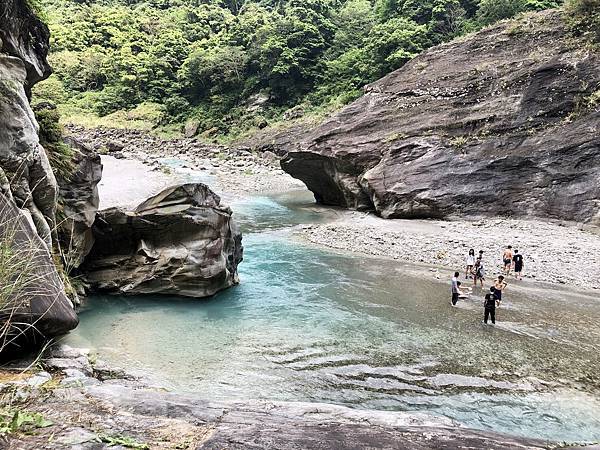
(309, 325)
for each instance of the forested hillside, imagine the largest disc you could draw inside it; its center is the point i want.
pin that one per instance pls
(235, 65)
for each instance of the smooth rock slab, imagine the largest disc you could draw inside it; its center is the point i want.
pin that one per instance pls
(179, 242)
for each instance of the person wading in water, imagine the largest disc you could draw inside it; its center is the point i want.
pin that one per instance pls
(489, 305)
(470, 262)
(518, 265)
(507, 257)
(455, 291)
(499, 286)
(478, 272)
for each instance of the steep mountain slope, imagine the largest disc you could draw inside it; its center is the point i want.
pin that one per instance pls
(504, 122)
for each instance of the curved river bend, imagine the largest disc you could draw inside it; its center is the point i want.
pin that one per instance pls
(312, 325)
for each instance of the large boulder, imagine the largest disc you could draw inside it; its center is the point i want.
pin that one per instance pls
(33, 305)
(179, 242)
(503, 122)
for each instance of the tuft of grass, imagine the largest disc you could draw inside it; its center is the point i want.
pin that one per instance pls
(19, 280)
(18, 420)
(123, 441)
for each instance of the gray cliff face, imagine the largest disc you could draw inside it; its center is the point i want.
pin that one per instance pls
(25, 37)
(33, 304)
(500, 123)
(180, 242)
(28, 190)
(24, 163)
(79, 200)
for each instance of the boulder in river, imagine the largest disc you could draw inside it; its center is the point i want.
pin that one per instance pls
(179, 242)
(502, 122)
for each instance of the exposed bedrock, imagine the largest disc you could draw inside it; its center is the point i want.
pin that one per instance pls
(33, 304)
(79, 200)
(504, 122)
(179, 242)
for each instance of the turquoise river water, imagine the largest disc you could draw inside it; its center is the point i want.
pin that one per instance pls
(311, 325)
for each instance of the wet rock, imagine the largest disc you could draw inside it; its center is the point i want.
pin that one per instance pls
(179, 242)
(487, 125)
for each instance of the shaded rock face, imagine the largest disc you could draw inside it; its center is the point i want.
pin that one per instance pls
(33, 305)
(29, 180)
(24, 36)
(179, 242)
(500, 123)
(32, 291)
(79, 200)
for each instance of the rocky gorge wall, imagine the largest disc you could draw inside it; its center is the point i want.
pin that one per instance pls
(505, 122)
(33, 303)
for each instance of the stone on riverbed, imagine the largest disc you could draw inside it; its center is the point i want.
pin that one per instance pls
(179, 242)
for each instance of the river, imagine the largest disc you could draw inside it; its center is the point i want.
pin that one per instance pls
(308, 324)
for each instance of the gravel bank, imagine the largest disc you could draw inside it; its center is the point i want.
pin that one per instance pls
(554, 253)
(236, 171)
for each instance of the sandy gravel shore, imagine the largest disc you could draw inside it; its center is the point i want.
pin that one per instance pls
(553, 253)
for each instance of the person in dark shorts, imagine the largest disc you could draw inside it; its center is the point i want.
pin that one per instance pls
(478, 272)
(455, 290)
(499, 286)
(518, 263)
(507, 257)
(489, 305)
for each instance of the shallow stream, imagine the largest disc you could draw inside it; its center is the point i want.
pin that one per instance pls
(310, 325)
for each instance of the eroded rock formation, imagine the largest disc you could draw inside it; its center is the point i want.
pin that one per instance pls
(33, 304)
(79, 201)
(503, 122)
(179, 242)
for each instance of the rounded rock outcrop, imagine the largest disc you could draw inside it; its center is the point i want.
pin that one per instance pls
(180, 242)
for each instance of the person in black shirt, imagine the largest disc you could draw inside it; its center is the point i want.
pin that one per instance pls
(489, 305)
(518, 262)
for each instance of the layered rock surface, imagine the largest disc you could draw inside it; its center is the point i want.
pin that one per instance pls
(33, 303)
(87, 409)
(79, 200)
(179, 242)
(503, 122)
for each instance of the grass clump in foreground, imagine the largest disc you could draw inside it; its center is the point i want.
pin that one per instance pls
(17, 277)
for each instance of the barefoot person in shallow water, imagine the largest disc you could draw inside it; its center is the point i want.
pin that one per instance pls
(507, 257)
(470, 262)
(499, 286)
(489, 305)
(455, 289)
(478, 272)
(518, 265)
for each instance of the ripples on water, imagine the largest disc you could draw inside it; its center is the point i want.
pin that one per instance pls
(309, 325)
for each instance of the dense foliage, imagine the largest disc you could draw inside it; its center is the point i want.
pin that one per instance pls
(234, 64)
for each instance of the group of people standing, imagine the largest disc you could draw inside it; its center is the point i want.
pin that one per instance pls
(475, 269)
